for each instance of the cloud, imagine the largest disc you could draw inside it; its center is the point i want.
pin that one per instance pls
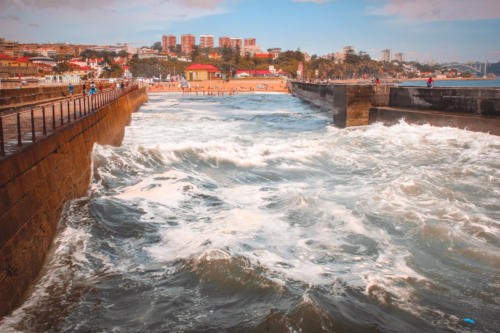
(92, 4)
(100, 20)
(10, 17)
(210, 4)
(442, 10)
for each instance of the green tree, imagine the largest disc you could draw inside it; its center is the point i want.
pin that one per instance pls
(115, 70)
(227, 54)
(195, 54)
(157, 46)
(62, 67)
(123, 54)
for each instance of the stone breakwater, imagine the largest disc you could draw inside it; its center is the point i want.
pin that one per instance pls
(36, 183)
(475, 109)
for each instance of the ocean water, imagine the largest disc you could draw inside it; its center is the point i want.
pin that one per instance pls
(252, 213)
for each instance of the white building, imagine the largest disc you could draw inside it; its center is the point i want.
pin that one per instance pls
(387, 55)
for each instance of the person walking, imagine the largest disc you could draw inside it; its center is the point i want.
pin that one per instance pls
(84, 88)
(70, 89)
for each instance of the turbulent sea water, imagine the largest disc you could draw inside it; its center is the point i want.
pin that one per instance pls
(251, 213)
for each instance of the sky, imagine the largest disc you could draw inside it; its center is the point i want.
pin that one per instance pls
(424, 30)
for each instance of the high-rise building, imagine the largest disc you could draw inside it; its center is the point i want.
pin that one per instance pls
(206, 41)
(187, 43)
(224, 42)
(387, 55)
(168, 41)
(399, 57)
(249, 42)
(236, 42)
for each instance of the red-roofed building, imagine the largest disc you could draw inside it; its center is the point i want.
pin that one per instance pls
(6, 60)
(214, 55)
(24, 62)
(259, 73)
(199, 72)
(263, 55)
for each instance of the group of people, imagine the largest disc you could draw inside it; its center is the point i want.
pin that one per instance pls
(92, 88)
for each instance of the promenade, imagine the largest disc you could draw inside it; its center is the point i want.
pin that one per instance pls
(25, 124)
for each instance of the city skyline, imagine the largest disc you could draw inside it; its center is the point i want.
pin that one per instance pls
(451, 30)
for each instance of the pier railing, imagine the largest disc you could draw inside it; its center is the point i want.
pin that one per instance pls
(25, 125)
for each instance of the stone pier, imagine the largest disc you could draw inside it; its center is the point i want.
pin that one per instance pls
(475, 109)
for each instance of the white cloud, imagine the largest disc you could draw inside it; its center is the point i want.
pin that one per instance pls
(440, 10)
(99, 20)
(88, 4)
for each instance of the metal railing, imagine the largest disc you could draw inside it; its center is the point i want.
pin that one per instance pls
(26, 125)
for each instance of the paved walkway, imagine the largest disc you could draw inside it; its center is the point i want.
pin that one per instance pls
(48, 116)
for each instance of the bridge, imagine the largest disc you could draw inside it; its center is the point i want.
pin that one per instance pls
(478, 69)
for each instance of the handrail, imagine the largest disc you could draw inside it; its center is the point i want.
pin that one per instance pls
(29, 124)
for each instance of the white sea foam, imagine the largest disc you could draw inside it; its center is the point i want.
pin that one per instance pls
(321, 205)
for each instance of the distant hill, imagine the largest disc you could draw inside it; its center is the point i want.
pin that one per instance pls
(494, 68)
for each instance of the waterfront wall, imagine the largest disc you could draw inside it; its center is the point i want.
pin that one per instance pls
(456, 100)
(476, 109)
(35, 184)
(10, 96)
(349, 104)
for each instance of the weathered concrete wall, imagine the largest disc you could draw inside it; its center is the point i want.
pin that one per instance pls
(10, 71)
(476, 123)
(476, 109)
(27, 95)
(350, 104)
(478, 101)
(35, 184)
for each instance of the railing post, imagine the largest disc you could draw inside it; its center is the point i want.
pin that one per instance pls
(44, 125)
(33, 136)
(2, 145)
(19, 138)
(74, 108)
(61, 112)
(80, 106)
(53, 116)
(69, 115)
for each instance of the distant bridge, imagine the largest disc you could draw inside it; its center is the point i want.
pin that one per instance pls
(473, 69)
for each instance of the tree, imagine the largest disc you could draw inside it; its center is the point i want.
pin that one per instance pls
(115, 70)
(123, 54)
(62, 67)
(237, 56)
(157, 46)
(195, 54)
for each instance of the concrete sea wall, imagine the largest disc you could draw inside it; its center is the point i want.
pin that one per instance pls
(9, 96)
(27, 95)
(35, 184)
(456, 100)
(476, 109)
(350, 104)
